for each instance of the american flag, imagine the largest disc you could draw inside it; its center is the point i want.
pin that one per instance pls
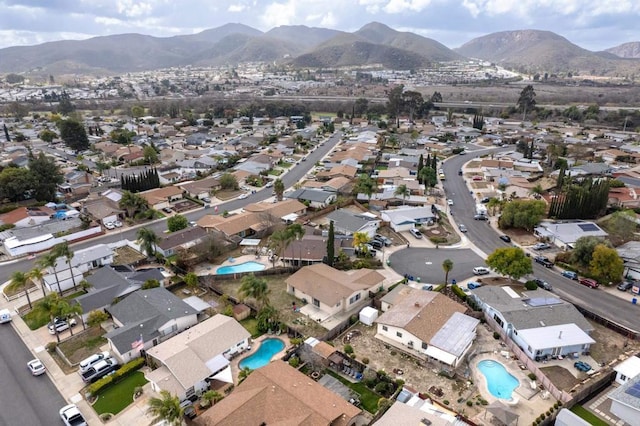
(138, 343)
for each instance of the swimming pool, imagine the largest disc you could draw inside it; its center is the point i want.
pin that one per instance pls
(499, 381)
(268, 348)
(250, 266)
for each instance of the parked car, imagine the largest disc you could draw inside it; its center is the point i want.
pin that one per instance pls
(543, 261)
(110, 225)
(243, 196)
(582, 366)
(386, 241)
(99, 370)
(269, 184)
(569, 274)
(206, 199)
(93, 359)
(189, 412)
(117, 224)
(480, 270)
(449, 202)
(480, 217)
(376, 244)
(167, 210)
(625, 285)
(485, 200)
(472, 284)
(5, 316)
(71, 416)
(60, 324)
(541, 246)
(462, 228)
(542, 284)
(415, 233)
(588, 282)
(36, 367)
(505, 238)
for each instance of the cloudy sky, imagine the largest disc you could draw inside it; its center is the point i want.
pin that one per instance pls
(592, 24)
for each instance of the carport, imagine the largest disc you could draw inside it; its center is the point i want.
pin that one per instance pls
(502, 413)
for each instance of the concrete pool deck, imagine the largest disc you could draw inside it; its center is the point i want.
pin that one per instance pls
(255, 344)
(529, 404)
(210, 269)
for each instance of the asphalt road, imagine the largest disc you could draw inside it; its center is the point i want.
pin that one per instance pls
(427, 263)
(486, 239)
(25, 400)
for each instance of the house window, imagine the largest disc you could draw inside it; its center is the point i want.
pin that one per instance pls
(515, 332)
(623, 377)
(354, 299)
(316, 303)
(385, 328)
(399, 334)
(338, 304)
(424, 345)
(529, 349)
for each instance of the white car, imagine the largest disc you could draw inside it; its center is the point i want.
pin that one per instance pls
(93, 359)
(117, 224)
(450, 202)
(60, 325)
(481, 270)
(243, 196)
(71, 416)
(36, 367)
(110, 225)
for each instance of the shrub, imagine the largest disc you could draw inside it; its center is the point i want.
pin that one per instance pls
(381, 387)
(556, 405)
(394, 353)
(532, 376)
(531, 285)
(365, 361)
(484, 401)
(51, 347)
(459, 292)
(445, 402)
(111, 378)
(353, 356)
(469, 403)
(438, 239)
(496, 335)
(294, 361)
(370, 383)
(440, 287)
(348, 349)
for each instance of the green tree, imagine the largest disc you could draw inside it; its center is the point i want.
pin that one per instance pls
(229, 181)
(210, 397)
(366, 185)
(50, 305)
(50, 260)
(36, 276)
(137, 111)
(21, 280)
(412, 101)
(73, 134)
(166, 408)
(360, 107)
(96, 317)
(524, 214)
(278, 188)
(47, 175)
(150, 154)
(191, 280)
(428, 177)
(63, 250)
(360, 240)
(331, 254)
(255, 288)
(15, 183)
(436, 97)
(133, 203)
(447, 266)
(149, 284)
(69, 311)
(402, 191)
(177, 222)
(622, 224)
(148, 240)
(47, 135)
(606, 264)
(395, 103)
(583, 249)
(510, 261)
(526, 101)
(243, 374)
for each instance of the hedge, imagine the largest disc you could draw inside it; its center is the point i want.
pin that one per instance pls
(113, 378)
(440, 287)
(459, 292)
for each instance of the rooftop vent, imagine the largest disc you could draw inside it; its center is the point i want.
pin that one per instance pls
(416, 304)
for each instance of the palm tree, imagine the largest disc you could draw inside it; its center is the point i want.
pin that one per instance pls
(536, 191)
(402, 191)
(63, 250)
(132, 203)
(255, 288)
(493, 204)
(148, 240)
(296, 232)
(36, 274)
(68, 311)
(210, 397)
(366, 185)
(20, 279)
(50, 305)
(280, 240)
(166, 408)
(243, 374)
(360, 239)
(278, 187)
(50, 260)
(447, 265)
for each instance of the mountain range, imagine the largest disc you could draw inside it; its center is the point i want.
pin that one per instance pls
(302, 46)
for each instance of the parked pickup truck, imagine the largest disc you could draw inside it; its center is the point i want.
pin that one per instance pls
(99, 370)
(543, 261)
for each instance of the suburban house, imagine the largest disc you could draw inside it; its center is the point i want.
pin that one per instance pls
(348, 223)
(541, 324)
(625, 402)
(190, 361)
(627, 369)
(61, 278)
(630, 254)
(340, 170)
(317, 198)
(427, 324)
(160, 198)
(337, 184)
(565, 234)
(410, 409)
(150, 316)
(278, 394)
(111, 282)
(103, 209)
(87, 259)
(181, 240)
(310, 250)
(328, 291)
(405, 218)
(24, 217)
(201, 188)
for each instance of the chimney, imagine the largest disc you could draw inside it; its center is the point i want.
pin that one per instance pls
(417, 304)
(560, 335)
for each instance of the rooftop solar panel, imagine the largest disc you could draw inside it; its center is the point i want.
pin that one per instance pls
(543, 301)
(588, 227)
(634, 390)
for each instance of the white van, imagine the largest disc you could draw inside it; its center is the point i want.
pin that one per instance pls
(5, 316)
(93, 359)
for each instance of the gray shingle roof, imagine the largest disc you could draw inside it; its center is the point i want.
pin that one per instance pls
(316, 195)
(345, 219)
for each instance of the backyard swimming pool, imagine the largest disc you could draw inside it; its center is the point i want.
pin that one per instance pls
(499, 381)
(250, 266)
(268, 348)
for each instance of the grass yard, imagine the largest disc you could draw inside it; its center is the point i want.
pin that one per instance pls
(117, 397)
(251, 324)
(38, 317)
(587, 415)
(275, 172)
(368, 398)
(224, 195)
(285, 165)
(12, 289)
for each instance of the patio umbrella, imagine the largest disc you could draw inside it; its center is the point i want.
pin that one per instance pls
(502, 413)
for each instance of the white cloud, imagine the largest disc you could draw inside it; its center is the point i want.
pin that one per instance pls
(328, 20)
(400, 6)
(235, 8)
(133, 8)
(372, 6)
(277, 14)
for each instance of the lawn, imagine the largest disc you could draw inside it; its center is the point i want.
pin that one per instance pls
(368, 398)
(275, 172)
(117, 397)
(38, 317)
(588, 416)
(12, 289)
(251, 324)
(285, 165)
(84, 344)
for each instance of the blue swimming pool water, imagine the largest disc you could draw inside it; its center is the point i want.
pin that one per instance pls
(250, 266)
(500, 383)
(268, 348)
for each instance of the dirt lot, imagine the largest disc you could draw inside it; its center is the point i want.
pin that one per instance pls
(80, 346)
(127, 256)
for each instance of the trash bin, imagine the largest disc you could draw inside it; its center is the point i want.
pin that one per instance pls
(418, 279)
(454, 282)
(634, 301)
(388, 262)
